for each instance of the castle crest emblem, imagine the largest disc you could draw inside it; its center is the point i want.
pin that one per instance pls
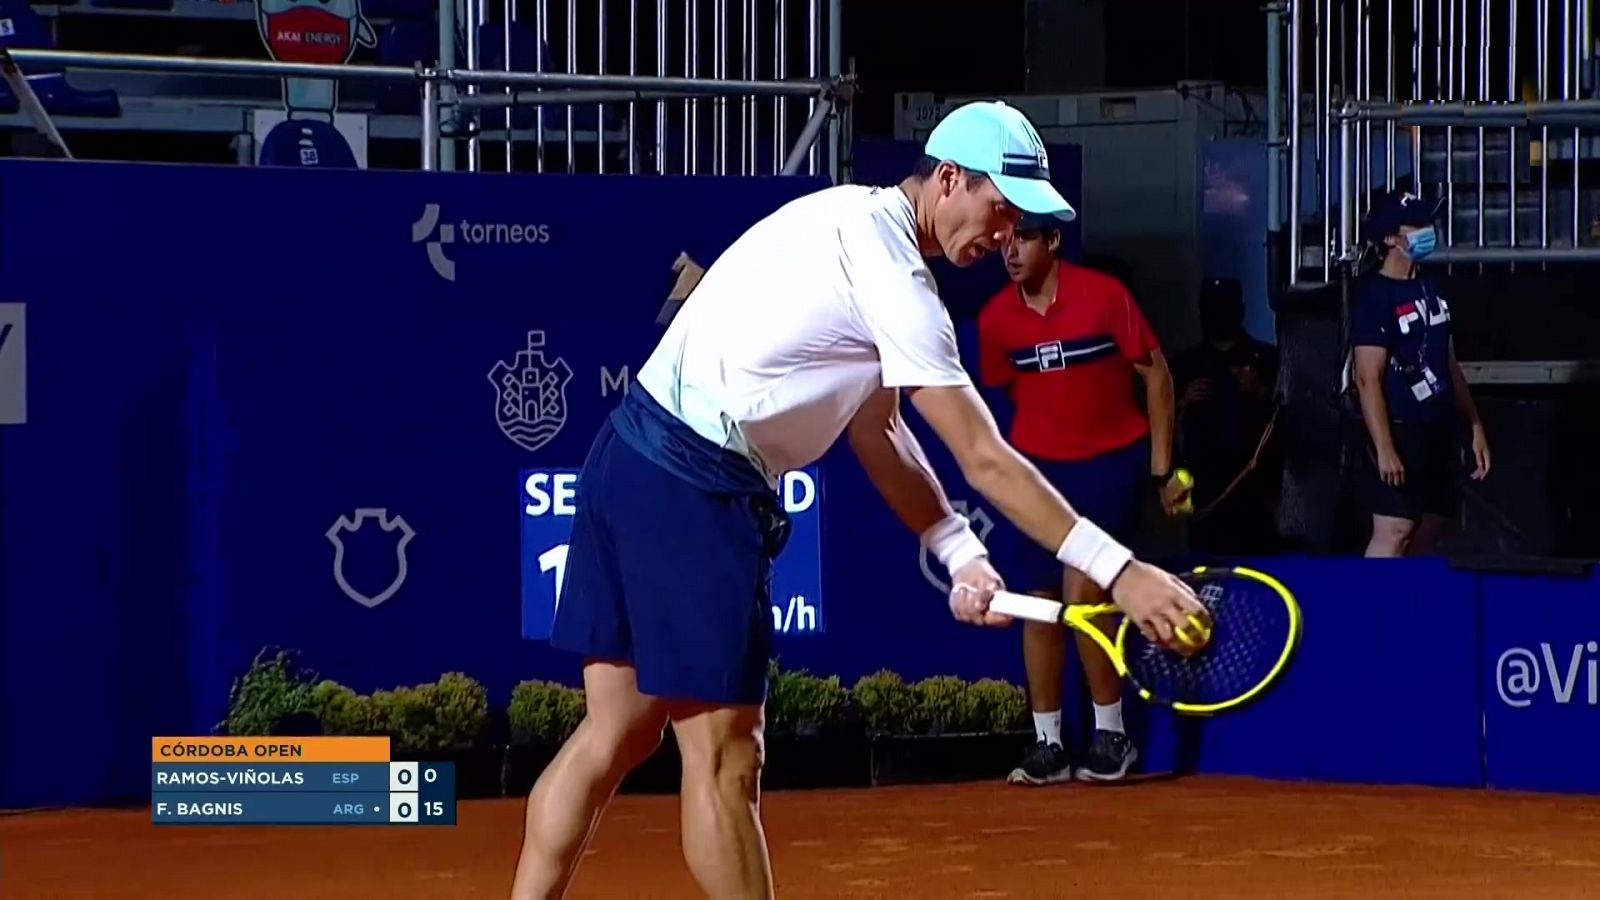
(531, 395)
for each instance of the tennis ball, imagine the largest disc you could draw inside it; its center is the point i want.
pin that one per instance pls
(1185, 481)
(1194, 637)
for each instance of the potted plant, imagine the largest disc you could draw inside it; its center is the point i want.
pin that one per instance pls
(950, 730)
(443, 721)
(272, 697)
(810, 738)
(541, 716)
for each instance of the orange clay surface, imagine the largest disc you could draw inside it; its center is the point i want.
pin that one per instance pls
(1187, 838)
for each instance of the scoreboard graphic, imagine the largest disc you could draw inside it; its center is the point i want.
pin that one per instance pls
(295, 781)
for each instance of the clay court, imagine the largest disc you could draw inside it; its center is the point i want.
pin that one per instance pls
(1197, 837)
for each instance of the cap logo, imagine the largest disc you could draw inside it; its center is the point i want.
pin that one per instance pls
(1026, 165)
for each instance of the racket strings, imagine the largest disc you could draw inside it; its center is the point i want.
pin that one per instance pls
(1250, 625)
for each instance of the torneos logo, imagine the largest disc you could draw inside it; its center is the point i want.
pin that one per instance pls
(1519, 673)
(436, 233)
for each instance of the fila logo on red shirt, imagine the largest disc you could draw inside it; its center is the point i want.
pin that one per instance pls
(1408, 313)
(1051, 356)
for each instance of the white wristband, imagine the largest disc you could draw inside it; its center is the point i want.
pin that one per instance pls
(1093, 552)
(953, 543)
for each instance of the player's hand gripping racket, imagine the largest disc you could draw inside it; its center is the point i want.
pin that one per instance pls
(1255, 628)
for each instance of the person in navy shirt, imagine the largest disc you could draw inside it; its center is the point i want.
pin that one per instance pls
(1410, 385)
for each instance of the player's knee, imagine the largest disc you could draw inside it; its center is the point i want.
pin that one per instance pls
(622, 745)
(730, 761)
(735, 767)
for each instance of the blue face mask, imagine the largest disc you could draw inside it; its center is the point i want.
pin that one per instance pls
(1421, 242)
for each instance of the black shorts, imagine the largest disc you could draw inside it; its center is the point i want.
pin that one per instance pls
(1431, 454)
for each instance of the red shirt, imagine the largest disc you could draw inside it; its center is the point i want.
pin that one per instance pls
(1070, 370)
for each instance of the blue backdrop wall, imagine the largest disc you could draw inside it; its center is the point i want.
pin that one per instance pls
(300, 408)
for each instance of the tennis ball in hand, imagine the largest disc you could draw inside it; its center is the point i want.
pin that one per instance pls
(1193, 639)
(1185, 481)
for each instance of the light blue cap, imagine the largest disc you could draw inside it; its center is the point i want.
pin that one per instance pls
(996, 139)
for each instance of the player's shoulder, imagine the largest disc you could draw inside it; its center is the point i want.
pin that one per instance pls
(864, 222)
(857, 203)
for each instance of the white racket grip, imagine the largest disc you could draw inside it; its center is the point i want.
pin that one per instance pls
(1025, 606)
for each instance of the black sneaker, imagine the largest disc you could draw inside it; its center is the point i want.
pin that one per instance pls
(1044, 764)
(1110, 757)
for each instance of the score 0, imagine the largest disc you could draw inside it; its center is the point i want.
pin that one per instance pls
(405, 781)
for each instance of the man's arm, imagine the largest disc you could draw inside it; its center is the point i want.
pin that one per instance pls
(895, 463)
(1369, 365)
(1159, 407)
(998, 472)
(1465, 405)
(893, 459)
(1469, 411)
(1161, 605)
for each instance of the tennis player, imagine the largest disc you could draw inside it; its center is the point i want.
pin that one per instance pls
(1067, 343)
(810, 325)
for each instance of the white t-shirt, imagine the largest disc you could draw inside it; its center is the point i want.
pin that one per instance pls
(797, 323)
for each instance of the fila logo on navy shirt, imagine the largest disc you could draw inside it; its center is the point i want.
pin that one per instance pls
(1410, 313)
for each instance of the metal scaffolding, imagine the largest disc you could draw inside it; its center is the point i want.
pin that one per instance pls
(537, 89)
(1439, 96)
(722, 41)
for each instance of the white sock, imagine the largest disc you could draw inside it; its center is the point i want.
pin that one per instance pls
(1109, 718)
(1048, 726)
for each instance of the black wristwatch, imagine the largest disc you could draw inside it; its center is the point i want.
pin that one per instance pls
(1160, 481)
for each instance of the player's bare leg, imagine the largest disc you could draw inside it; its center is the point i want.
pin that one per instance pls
(621, 728)
(723, 842)
(1110, 752)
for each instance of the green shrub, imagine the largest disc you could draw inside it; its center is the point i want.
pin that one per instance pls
(271, 690)
(995, 706)
(407, 716)
(941, 705)
(801, 703)
(544, 712)
(461, 705)
(886, 703)
(342, 711)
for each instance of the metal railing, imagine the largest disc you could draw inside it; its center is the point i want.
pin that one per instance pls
(1434, 94)
(452, 92)
(728, 41)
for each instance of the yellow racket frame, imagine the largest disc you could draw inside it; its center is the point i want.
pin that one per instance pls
(1081, 618)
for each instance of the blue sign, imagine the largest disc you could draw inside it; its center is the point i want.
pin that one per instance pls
(549, 499)
(1541, 682)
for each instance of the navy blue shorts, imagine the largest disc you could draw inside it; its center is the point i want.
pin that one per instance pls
(1108, 490)
(669, 577)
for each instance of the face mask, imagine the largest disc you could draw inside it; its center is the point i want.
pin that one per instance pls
(1421, 242)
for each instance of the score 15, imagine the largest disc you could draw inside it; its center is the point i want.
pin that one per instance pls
(422, 793)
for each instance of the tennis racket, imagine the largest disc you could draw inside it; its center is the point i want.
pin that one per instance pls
(1255, 628)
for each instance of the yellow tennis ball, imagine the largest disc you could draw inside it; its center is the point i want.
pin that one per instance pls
(1195, 636)
(1185, 481)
